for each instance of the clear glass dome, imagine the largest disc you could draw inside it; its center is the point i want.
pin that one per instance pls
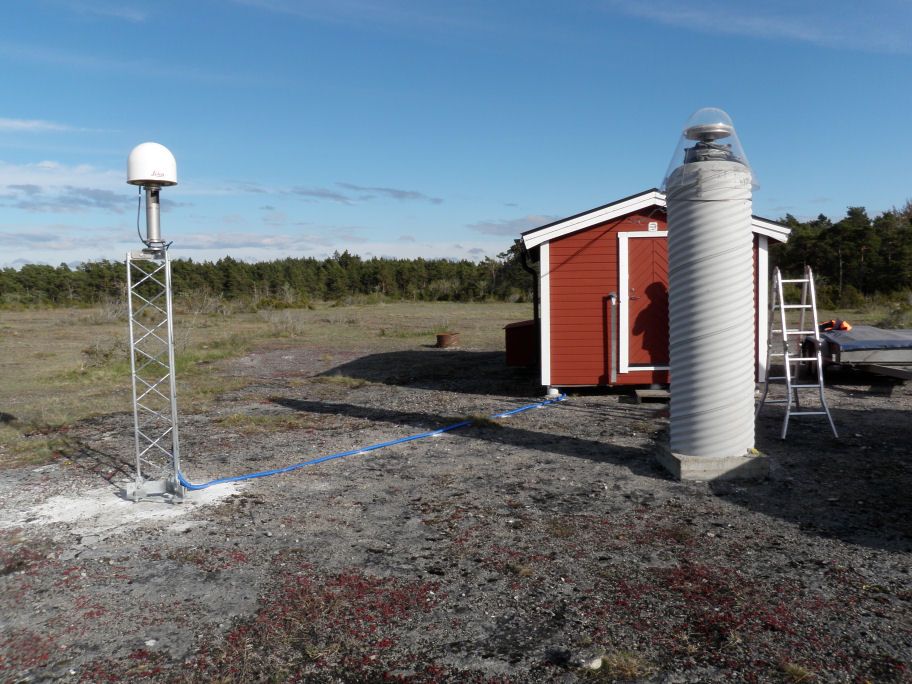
(708, 135)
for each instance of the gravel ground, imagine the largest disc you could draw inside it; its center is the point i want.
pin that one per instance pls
(548, 546)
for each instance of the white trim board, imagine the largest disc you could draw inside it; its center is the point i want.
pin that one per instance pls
(762, 305)
(652, 198)
(623, 330)
(767, 228)
(544, 295)
(594, 217)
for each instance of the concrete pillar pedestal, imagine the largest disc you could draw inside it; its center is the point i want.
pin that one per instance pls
(752, 465)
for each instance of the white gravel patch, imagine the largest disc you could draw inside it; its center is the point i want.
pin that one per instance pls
(102, 510)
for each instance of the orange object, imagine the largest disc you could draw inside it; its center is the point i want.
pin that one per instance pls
(835, 324)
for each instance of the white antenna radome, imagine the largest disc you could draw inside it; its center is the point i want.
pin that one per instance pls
(153, 167)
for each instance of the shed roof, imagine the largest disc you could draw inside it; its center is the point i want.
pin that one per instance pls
(628, 205)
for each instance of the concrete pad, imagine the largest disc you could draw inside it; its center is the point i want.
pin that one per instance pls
(750, 466)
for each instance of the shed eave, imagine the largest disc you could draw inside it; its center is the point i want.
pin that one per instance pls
(771, 229)
(608, 212)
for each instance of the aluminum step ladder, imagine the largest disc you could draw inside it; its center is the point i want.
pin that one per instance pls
(799, 342)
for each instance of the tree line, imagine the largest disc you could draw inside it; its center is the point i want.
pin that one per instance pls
(855, 258)
(279, 283)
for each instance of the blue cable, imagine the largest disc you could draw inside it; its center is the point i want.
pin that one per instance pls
(373, 447)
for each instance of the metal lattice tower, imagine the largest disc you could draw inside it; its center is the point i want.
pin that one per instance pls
(152, 369)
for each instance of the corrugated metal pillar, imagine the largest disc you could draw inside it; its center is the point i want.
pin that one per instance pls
(711, 305)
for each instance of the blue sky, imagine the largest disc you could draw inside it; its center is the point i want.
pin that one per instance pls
(417, 128)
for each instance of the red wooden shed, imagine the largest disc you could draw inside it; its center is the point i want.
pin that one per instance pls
(603, 293)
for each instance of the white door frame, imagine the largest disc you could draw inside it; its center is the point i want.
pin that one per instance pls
(623, 331)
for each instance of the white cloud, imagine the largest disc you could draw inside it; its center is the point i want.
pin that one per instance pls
(26, 189)
(52, 187)
(90, 197)
(53, 243)
(321, 194)
(306, 238)
(513, 226)
(874, 26)
(472, 251)
(114, 10)
(32, 126)
(394, 193)
(149, 68)
(364, 13)
(52, 174)
(68, 199)
(275, 218)
(349, 194)
(45, 243)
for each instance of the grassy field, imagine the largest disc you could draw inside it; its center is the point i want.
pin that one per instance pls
(58, 366)
(518, 548)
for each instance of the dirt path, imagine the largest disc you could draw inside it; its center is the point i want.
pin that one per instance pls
(527, 550)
